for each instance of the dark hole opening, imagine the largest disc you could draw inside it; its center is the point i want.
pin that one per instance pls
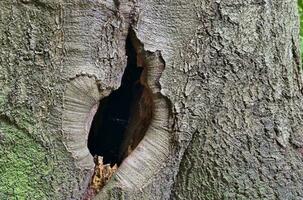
(122, 117)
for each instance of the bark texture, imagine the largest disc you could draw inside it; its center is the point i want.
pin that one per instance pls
(230, 94)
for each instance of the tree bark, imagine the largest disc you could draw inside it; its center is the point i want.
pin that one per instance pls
(226, 84)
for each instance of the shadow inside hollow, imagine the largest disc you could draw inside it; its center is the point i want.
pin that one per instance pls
(114, 113)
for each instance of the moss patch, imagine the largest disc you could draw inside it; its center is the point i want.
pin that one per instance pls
(23, 166)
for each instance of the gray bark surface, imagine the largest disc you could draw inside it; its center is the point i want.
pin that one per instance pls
(232, 84)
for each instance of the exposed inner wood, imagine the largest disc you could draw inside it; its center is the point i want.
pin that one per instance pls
(102, 174)
(121, 120)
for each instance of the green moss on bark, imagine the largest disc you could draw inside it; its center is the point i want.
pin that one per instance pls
(23, 165)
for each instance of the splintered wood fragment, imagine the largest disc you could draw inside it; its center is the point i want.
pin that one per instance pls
(102, 174)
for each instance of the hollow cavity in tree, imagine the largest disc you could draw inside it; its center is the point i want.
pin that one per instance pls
(122, 117)
(139, 113)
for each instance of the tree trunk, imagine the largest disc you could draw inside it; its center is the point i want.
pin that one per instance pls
(224, 81)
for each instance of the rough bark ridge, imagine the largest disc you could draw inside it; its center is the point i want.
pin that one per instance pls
(247, 103)
(231, 75)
